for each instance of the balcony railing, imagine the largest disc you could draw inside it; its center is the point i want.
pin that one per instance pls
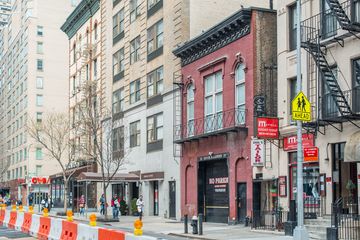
(326, 25)
(212, 124)
(330, 109)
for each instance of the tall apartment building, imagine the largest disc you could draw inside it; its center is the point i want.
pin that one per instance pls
(142, 37)
(33, 72)
(5, 9)
(330, 79)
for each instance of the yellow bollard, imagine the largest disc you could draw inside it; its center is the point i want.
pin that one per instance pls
(31, 209)
(69, 216)
(46, 212)
(92, 219)
(21, 208)
(13, 208)
(137, 227)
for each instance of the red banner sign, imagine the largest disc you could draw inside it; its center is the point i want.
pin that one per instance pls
(39, 180)
(268, 128)
(290, 143)
(311, 154)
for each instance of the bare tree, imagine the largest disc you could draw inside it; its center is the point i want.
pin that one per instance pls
(53, 134)
(104, 140)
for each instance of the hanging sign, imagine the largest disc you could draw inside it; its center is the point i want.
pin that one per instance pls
(268, 128)
(282, 186)
(311, 154)
(257, 152)
(290, 143)
(301, 108)
(259, 105)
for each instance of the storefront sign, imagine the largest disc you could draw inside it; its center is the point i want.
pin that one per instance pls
(328, 180)
(220, 183)
(152, 176)
(290, 143)
(282, 186)
(322, 184)
(39, 180)
(268, 128)
(257, 152)
(311, 154)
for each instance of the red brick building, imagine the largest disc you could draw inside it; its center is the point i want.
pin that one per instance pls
(222, 70)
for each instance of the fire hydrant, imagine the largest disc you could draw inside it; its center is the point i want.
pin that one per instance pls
(194, 224)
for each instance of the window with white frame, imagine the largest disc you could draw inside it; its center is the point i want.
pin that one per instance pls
(118, 62)
(135, 50)
(118, 101)
(155, 81)
(152, 3)
(39, 82)
(39, 154)
(240, 93)
(155, 38)
(118, 23)
(190, 110)
(155, 128)
(134, 10)
(134, 91)
(40, 31)
(213, 102)
(135, 134)
(39, 100)
(40, 47)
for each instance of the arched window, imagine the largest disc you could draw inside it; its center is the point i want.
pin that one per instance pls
(240, 93)
(190, 110)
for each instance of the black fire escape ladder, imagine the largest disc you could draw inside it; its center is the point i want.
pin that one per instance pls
(329, 78)
(342, 17)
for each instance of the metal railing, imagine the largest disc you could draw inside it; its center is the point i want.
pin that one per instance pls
(330, 109)
(269, 220)
(314, 207)
(211, 123)
(325, 23)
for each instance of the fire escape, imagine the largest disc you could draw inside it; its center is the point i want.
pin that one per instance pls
(333, 25)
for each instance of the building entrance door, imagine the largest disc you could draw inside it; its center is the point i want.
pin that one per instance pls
(172, 199)
(241, 195)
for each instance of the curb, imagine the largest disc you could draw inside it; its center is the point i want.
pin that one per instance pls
(191, 236)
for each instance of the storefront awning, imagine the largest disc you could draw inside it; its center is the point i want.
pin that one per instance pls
(97, 177)
(352, 148)
(152, 176)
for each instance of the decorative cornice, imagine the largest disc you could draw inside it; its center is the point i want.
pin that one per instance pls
(85, 10)
(227, 31)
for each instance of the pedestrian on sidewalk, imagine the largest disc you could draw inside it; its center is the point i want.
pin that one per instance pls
(115, 204)
(140, 206)
(102, 204)
(82, 205)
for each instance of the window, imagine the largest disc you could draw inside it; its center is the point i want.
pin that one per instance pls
(118, 62)
(292, 27)
(190, 110)
(39, 117)
(39, 82)
(155, 37)
(38, 170)
(135, 50)
(135, 134)
(39, 65)
(39, 154)
(213, 102)
(240, 93)
(135, 91)
(155, 81)
(40, 31)
(95, 68)
(329, 107)
(152, 3)
(118, 23)
(39, 48)
(356, 85)
(356, 7)
(155, 128)
(118, 101)
(39, 100)
(329, 21)
(74, 53)
(118, 142)
(293, 91)
(95, 32)
(134, 10)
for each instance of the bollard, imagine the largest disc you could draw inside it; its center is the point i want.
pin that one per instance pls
(194, 224)
(69, 216)
(200, 223)
(137, 227)
(92, 220)
(186, 224)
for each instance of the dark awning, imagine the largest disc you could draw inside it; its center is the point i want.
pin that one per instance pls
(352, 148)
(97, 177)
(152, 176)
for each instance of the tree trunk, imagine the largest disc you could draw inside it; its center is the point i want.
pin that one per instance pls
(65, 193)
(105, 209)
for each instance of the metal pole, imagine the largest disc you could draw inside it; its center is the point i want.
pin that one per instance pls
(186, 223)
(300, 232)
(85, 207)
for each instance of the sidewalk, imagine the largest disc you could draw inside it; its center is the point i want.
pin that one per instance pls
(170, 229)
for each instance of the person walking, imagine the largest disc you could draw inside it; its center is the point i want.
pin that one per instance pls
(140, 206)
(102, 204)
(115, 204)
(82, 205)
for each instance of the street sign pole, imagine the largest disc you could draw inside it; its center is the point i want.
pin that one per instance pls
(300, 232)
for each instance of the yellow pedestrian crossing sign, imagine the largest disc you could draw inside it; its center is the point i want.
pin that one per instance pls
(301, 108)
